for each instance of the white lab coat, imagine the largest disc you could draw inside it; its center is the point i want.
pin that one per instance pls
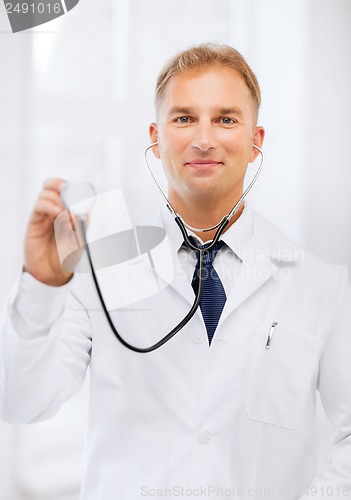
(234, 420)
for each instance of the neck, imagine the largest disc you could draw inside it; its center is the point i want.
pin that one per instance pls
(203, 214)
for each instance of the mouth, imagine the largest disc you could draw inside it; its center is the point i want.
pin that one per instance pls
(198, 163)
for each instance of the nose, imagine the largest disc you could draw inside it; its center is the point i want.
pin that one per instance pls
(204, 137)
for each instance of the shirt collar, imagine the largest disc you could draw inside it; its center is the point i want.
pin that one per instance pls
(238, 237)
(240, 234)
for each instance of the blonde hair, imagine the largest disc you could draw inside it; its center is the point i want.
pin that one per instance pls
(204, 56)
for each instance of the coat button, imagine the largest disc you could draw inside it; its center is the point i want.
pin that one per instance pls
(203, 437)
(198, 337)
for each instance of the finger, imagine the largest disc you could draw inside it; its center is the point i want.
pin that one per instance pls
(54, 184)
(46, 207)
(51, 196)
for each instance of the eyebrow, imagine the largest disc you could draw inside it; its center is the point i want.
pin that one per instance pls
(180, 109)
(189, 111)
(235, 110)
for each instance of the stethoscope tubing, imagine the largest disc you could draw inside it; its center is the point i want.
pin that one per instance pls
(232, 211)
(201, 251)
(167, 337)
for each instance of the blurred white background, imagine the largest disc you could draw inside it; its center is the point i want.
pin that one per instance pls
(76, 99)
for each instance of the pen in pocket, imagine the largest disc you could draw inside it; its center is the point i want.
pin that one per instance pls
(270, 334)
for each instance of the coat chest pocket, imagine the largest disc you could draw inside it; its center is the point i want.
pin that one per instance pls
(280, 377)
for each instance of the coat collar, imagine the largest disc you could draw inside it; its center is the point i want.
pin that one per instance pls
(263, 256)
(250, 233)
(262, 248)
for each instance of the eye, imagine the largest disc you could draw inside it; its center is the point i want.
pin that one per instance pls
(183, 120)
(227, 121)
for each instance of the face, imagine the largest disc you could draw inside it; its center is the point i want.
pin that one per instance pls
(205, 132)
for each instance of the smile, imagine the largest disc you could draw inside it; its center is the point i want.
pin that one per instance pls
(203, 163)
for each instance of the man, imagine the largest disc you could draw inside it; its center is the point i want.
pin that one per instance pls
(222, 413)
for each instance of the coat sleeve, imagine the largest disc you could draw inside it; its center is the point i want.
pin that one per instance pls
(45, 345)
(334, 385)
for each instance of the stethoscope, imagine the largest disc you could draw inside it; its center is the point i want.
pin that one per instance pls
(220, 226)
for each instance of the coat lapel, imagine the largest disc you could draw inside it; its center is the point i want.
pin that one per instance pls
(180, 281)
(268, 250)
(251, 277)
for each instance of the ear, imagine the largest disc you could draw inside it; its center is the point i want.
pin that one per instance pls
(258, 141)
(153, 133)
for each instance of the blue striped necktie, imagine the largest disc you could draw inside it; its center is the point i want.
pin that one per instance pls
(213, 295)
